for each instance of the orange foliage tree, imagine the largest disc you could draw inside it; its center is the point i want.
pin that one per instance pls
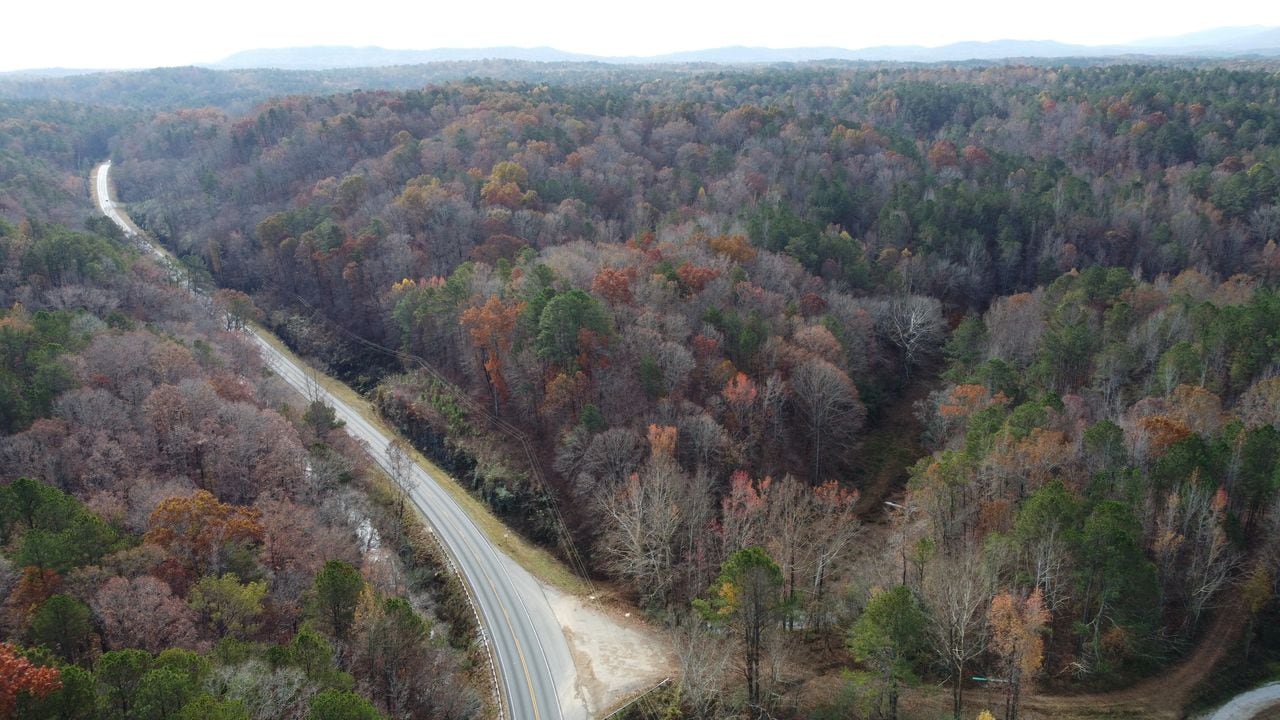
(504, 186)
(1156, 433)
(943, 153)
(662, 441)
(614, 285)
(18, 676)
(237, 308)
(197, 528)
(1027, 464)
(693, 278)
(490, 327)
(35, 586)
(1015, 637)
(964, 400)
(1197, 408)
(564, 395)
(735, 247)
(740, 390)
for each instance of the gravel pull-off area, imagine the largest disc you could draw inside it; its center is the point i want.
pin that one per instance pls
(616, 656)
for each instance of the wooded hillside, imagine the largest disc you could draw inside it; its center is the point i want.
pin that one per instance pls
(691, 330)
(180, 536)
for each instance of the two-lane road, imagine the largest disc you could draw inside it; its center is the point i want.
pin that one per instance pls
(535, 667)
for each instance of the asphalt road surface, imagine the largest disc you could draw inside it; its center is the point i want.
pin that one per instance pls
(1263, 702)
(535, 667)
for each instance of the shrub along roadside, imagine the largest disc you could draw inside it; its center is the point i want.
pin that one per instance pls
(429, 572)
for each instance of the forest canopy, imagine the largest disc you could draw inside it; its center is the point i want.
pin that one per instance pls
(918, 371)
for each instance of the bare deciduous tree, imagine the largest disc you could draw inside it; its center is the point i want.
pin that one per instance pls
(1211, 558)
(828, 404)
(807, 531)
(644, 524)
(1265, 223)
(705, 660)
(702, 442)
(957, 593)
(1014, 326)
(401, 471)
(1049, 559)
(143, 613)
(913, 324)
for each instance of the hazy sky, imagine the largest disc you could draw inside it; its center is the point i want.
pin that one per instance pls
(151, 33)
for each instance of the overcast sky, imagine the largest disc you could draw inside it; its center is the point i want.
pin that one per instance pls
(152, 33)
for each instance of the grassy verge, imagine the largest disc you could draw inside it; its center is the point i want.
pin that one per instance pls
(93, 186)
(536, 560)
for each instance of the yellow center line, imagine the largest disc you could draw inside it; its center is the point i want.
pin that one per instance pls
(497, 597)
(528, 679)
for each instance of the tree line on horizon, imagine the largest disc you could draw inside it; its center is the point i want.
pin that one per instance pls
(707, 302)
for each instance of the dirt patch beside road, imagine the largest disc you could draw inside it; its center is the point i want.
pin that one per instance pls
(616, 655)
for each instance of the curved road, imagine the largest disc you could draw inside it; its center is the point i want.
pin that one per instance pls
(535, 666)
(1253, 704)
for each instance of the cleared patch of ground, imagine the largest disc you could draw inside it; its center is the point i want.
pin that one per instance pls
(617, 655)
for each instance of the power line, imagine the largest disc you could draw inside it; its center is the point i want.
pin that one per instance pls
(513, 432)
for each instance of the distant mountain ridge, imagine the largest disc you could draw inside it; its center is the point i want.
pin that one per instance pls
(335, 57)
(1255, 37)
(1217, 42)
(39, 73)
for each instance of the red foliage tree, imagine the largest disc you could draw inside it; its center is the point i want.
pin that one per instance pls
(812, 304)
(500, 246)
(943, 153)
